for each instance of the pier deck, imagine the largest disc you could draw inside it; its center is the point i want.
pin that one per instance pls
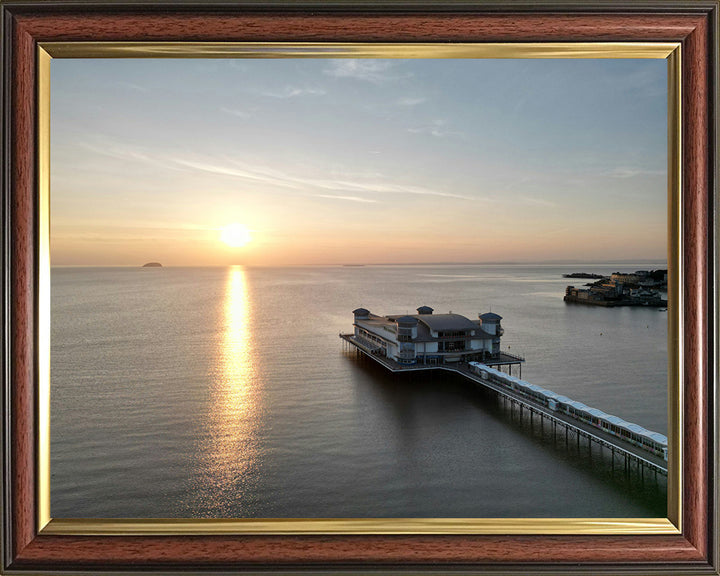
(581, 429)
(502, 359)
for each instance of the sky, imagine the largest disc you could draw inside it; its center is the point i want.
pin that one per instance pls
(357, 161)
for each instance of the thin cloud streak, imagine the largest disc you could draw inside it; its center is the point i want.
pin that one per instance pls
(132, 86)
(374, 71)
(294, 91)
(107, 224)
(537, 201)
(626, 172)
(238, 113)
(271, 177)
(348, 198)
(277, 178)
(119, 152)
(436, 129)
(254, 176)
(408, 101)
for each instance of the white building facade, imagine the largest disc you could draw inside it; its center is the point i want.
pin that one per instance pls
(427, 338)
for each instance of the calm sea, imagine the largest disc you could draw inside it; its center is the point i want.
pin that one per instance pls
(226, 392)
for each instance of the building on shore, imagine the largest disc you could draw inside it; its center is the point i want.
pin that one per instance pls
(624, 278)
(611, 294)
(427, 338)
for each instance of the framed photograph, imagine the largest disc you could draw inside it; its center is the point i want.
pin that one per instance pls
(359, 286)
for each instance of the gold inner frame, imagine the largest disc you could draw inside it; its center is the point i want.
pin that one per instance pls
(585, 526)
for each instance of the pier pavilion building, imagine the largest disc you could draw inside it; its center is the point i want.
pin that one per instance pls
(427, 338)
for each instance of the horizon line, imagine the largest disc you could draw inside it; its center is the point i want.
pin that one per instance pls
(624, 262)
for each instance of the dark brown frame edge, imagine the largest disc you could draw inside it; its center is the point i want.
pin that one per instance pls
(25, 23)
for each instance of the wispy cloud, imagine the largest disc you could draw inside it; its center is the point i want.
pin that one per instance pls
(132, 86)
(344, 173)
(234, 112)
(357, 186)
(409, 101)
(125, 153)
(107, 223)
(627, 172)
(534, 201)
(435, 128)
(348, 198)
(374, 184)
(375, 71)
(295, 91)
(252, 174)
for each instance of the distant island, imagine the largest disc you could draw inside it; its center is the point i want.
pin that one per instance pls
(152, 265)
(583, 275)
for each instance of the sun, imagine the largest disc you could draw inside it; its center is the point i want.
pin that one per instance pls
(235, 235)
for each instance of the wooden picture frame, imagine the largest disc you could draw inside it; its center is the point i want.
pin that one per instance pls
(27, 25)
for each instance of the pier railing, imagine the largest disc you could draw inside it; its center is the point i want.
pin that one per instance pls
(592, 435)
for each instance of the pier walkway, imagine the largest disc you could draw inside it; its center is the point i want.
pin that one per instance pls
(629, 452)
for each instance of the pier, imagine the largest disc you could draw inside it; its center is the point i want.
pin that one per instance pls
(572, 428)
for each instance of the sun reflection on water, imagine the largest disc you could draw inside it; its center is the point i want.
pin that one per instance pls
(230, 447)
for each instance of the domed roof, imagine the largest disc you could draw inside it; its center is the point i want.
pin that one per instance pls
(424, 310)
(406, 320)
(448, 322)
(490, 316)
(361, 312)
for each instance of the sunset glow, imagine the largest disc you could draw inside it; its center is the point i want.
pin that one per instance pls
(320, 161)
(235, 235)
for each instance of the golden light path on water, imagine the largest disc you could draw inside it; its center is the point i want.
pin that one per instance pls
(230, 446)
